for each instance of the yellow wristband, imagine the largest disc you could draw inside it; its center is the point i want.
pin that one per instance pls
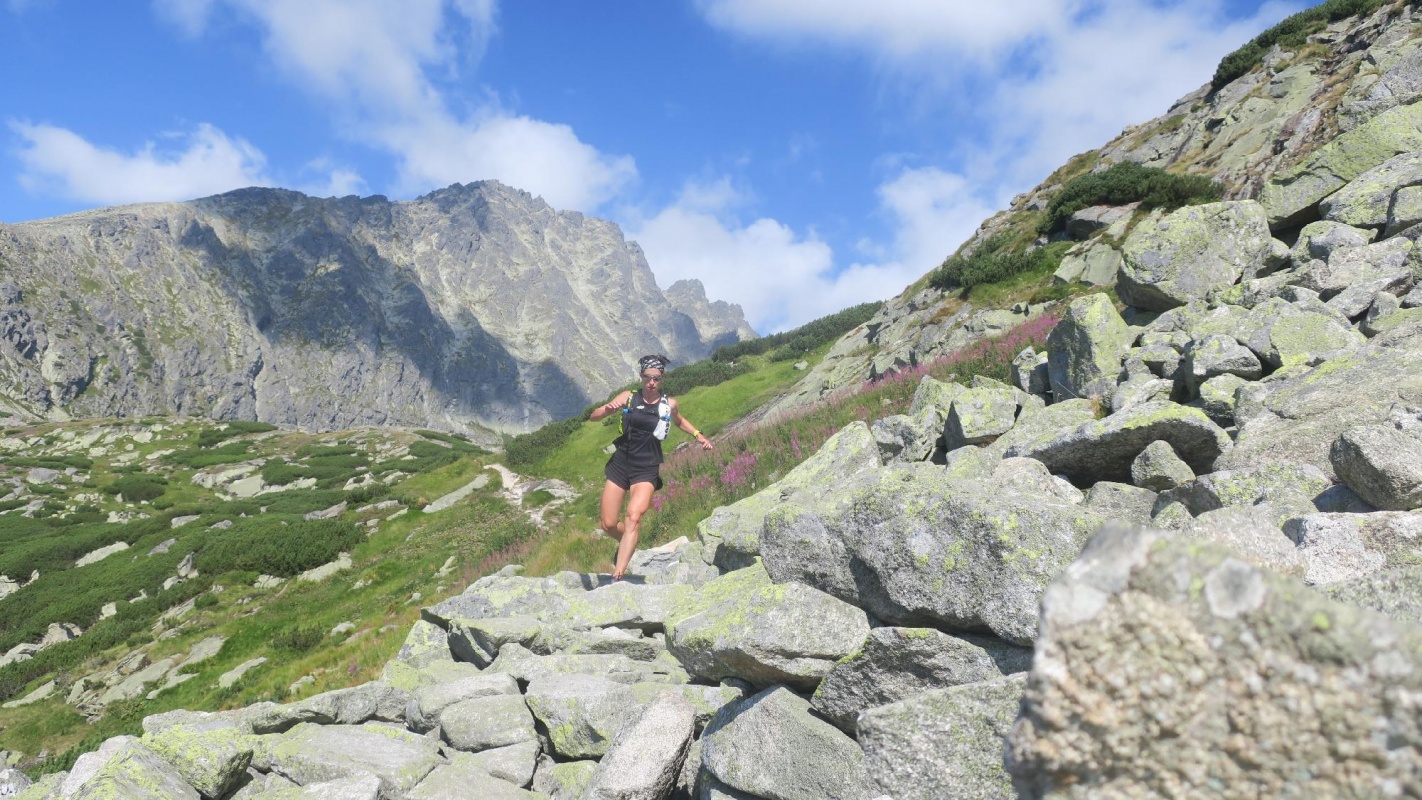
(696, 434)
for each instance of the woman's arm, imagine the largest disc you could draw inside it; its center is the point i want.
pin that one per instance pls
(685, 424)
(611, 407)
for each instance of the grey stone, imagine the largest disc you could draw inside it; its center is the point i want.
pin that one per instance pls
(980, 415)
(1382, 464)
(128, 770)
(1366, 200)
(1029, 372)
(1218, 355)
(462, 778)
(1188, 252)
(1253, 533)
(1225, 644)
(483, 723)
(731, 535)
(1120, 502)
(1084, 350)
(1106, 448)
(944, 742)
(513, 763)
(311, 753)
(369, 701)
(562, 781)
(770, 745)
(1319, 240)
(745, 626)
(1342, 547)
(1278, 482)
(646, 757)
(527, 666)
(211, 756)
(424, 645)
(897, 663)
(1157, 468)
(918, 546)
(1395, 592)
(1288, 335)
(1219, 398)
(582, 713)
(1137, 391)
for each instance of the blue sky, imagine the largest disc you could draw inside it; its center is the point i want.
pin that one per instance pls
(797, 156)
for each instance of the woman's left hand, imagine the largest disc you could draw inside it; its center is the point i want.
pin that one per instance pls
(704, 442)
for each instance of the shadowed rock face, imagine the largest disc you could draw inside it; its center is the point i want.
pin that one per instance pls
(472, 307)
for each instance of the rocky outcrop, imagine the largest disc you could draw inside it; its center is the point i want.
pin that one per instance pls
(474, 308)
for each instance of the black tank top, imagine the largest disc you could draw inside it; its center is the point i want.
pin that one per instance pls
(637, 442)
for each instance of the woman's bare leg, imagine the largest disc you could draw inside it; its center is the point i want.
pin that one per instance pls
(637, 505)
(612, 495)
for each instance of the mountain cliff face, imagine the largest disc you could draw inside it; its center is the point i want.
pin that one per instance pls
(474, 308)
(1244, 134)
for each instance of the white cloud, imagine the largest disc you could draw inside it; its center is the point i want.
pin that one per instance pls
(206, 161)
(782, 279)
(375, 62)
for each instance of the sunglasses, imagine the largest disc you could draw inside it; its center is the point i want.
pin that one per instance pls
(646, 377)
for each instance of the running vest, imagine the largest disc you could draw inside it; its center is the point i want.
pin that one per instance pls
(643, 427)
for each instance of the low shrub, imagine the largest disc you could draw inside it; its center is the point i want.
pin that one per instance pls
(297, 639)
(276, 544)
(139, 487)
(199, 457)
(811, 335)
(1128, 182)
(1292, 32)
(995, 261)
(702, 373)
(237, 427)
(530, 448)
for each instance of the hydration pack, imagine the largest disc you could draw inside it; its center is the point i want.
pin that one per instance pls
(663, 415)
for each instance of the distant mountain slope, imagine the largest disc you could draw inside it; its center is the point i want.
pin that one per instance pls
(472, 308)
(1243, 134)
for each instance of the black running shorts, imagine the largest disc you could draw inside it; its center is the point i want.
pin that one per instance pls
(623, 474)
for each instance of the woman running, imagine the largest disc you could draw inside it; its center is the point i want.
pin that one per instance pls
(647, 417)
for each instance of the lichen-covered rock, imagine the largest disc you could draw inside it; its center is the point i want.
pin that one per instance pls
(582, 713)
(731, 535)
(424, 645)
(502, 595)
(1156, 655)
(917, 546)
(1219, 397)
(1253, 533)
(1382, 464)
(1084, 350)
(526, 666)
(770, 745)
(1094, 264)
(211, 756)
(514, 763)
(312, 753)
(563, 781)
(1029, 372)
(743, 625)
(1290, 197)
(646, 757)
(1218, 355)
(129, 770)
(1298, 417)
(1280, 481)
(463, 778)
(1191, 251)
(482, 723)
(1158, 469)
(1341, 547)
(944, 742)
(980, 415)
(1365, 201)
(1320, 239)
(1105, 449)
(897, 663)
(1284, 334)
(376, 700)
(1395, 592)
(1120, 502)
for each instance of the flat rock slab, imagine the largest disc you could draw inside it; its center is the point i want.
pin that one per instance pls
(770, 745)
(1105, 449)
(646, 757)
(582, 713)
(943, 742)
(312, 753)
(462, 779)
(1156, 652)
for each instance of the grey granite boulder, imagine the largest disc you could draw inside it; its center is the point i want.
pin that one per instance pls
(211, 756)
(1364, 201)
(424, 645)
(1342, 547)
(369, 701)
(513, 763)
(980, 415)
(1187, 253)
(1382, 464)
(1120, 502)
(1319, 240)
(1105, 449)
(482, 723)
(128, 769)
(1299, 416)
(462, 778)
(1029, 372)
(504, 594)
(1284, 334)
(1156, 653)
(917, 546)
(745, 626)
(731, 535)
(1280, 482)
(562, 781)
(582, 713)
(897, 663)
(1084, 350)
(770, 745)
(944, 742)
(312, 753)
(1395, 592)
(1219, 399)
(1290, 197)
(1386, 261)
(1218, 355)
(1253, 533)
(1157, 468)
(646, 757)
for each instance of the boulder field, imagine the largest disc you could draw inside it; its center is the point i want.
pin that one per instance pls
(1177, 556)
